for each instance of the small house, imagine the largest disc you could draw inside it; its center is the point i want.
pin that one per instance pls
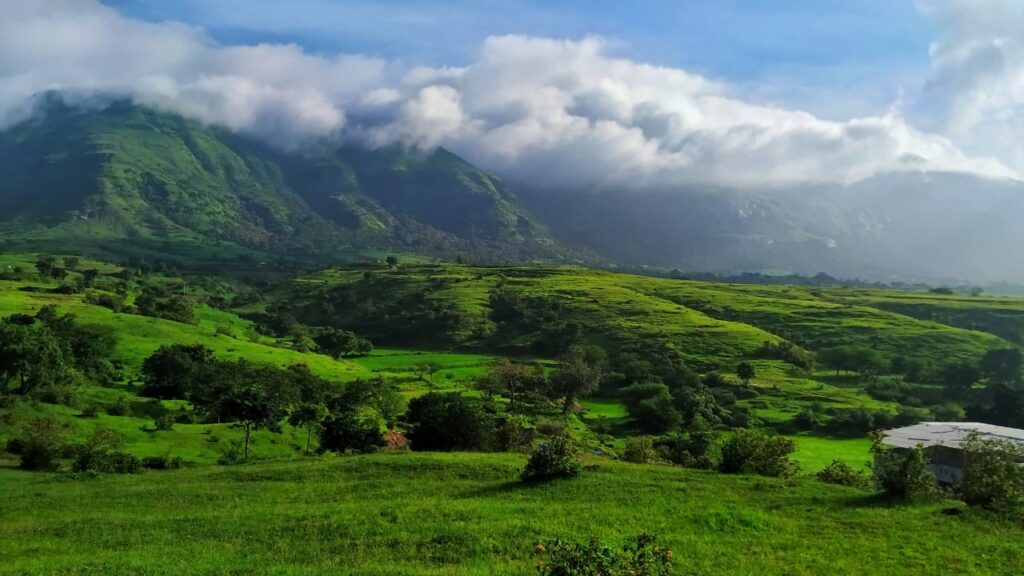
(942, 442)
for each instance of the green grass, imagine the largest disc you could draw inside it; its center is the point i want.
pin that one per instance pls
(462, 514)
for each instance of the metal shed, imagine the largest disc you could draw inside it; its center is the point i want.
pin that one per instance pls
(942, 441)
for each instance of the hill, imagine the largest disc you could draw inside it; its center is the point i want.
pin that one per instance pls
(128, 180)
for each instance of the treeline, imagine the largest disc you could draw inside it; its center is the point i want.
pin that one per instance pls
(44, 354)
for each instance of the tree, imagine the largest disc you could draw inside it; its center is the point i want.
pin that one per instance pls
(89, 277)
(339, 343)
(960, 377)
(902, 473)
(746, 372)
(41, 442)
(45, 265)
(254, 404)
(993, 477)
(309, 416)
(426, 371)
(508, 378)
(346, 429)
(446, 422)
(172, 371)
(389, 403)
(579, 374)
(391, 261)
(757, 452)
(1002, 365)
(71, 262)
(31, 355)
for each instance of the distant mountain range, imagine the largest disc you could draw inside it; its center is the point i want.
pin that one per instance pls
(126, 178)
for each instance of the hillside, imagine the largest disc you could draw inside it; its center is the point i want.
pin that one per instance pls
(709, 324)
(127, 180)
(464, 514)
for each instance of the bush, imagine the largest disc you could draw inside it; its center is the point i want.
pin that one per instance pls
(839, 472)
(642, 557)
(232, 454)
(41, 443)
(754, 451)
(640, 450)
(101, 453)
(345, 430)
(163, 462)
(512, 434)
(993, 477)
(554, 459)
(447, 422)
(165, 422)
(698, 449)
(901, 473)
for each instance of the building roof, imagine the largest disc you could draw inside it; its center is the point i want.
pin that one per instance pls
(951, 434)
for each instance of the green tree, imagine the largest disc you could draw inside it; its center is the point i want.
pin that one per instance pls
(579, 374)
(508, 378)
(993, 476)
(45, 265)
(1002, 365)
(446, 422)
(254, 404)
(309, 416)
(960, 377)
(746, 372)
(391, 261)
(172, 371)
(427, 370)
(41, 442)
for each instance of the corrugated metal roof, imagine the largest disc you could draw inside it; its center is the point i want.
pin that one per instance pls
(950, 434)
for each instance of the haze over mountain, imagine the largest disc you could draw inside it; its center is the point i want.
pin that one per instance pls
(174, 127)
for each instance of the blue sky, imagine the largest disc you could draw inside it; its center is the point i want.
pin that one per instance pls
(836, 58)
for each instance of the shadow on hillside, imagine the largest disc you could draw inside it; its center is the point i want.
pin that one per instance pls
(507, 487)
(876, 500)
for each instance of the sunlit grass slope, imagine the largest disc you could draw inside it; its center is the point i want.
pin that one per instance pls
(461, 514)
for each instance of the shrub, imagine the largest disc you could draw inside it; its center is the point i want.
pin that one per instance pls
(642, 557)
(94, 454)
(42, 441)
(163, 462)
(901, 473)
(554, 459)
(232, 454)
(164, 423)
(119, 408)
(993, 477)
(512, 434)
(118, 462)
(640, 450)
(839, 472)
(698, 449)
(754, 451)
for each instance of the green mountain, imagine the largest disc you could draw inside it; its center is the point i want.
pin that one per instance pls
(95, 178)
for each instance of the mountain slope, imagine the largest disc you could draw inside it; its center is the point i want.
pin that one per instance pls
(125, 172)
(932, 227)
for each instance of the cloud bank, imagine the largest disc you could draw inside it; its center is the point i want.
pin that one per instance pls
(563, 113)
(976, 90)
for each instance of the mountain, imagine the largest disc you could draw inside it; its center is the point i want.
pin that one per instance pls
(94, 177)
(932, 227)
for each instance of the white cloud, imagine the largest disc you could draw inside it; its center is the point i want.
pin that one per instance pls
(976, 91)
(555, 111)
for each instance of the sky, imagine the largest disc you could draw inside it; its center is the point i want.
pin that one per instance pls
(575, 93)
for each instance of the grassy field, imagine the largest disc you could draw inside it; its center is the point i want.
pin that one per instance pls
(461, 514)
